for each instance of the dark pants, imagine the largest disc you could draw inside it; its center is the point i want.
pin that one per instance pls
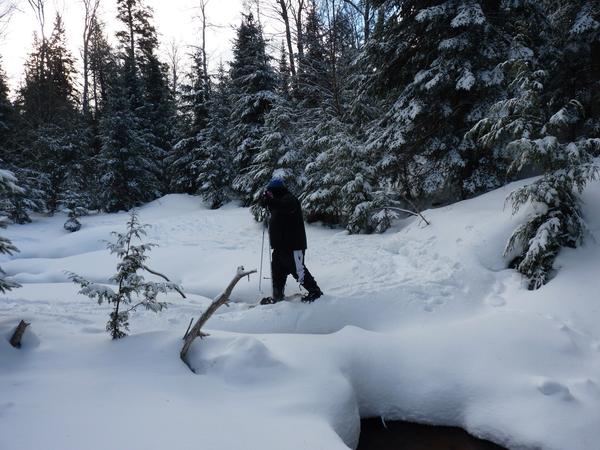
(284, 264)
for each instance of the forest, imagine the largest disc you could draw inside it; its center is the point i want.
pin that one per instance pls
(363, 107)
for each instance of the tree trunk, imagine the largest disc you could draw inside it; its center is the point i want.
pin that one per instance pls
(296, 10)
(218, 302)
(288, 34)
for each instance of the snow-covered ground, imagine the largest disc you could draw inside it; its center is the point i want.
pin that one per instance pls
(422, 323)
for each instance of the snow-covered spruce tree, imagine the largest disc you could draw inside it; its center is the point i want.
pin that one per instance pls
(8, 186)
(557, 219)
(49, 139)
(131, 290)
(131, 155)
(30, 198)
(158, 113)
(574, 85)
(7, 117)
(538, 128)
(433, 62)
(214, 170)
(75, 199)
(252, 92)
(278, 154)
(519, 109)
(187, 153)
(125, 161)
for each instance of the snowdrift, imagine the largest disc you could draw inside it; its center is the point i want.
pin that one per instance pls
(422, 323)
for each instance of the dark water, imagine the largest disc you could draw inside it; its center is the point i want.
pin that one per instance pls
(412, 436)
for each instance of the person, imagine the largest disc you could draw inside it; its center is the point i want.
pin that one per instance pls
(288, 241)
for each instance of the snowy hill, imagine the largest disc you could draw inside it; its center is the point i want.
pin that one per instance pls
(422, 323)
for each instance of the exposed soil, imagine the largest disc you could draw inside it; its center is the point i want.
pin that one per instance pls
(397, 435)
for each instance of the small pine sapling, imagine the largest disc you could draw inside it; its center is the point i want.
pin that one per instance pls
(131, 288)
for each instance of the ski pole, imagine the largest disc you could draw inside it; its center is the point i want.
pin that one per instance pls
(262, 254)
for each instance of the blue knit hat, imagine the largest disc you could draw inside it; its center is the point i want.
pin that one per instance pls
(275, 183)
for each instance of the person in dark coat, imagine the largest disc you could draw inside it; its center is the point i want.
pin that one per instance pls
(288, 241)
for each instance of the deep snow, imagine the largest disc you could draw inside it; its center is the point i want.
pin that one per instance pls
(422, 323)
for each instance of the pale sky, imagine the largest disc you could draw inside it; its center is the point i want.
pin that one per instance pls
(173, 19)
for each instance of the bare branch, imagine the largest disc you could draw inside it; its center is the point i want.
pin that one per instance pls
(218, 302)
(158, 274)
(7, 8)
(407, 211)
(38, 7)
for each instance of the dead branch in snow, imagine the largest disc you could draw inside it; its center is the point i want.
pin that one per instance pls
(15, 340)
(218, 302)
(408, 211)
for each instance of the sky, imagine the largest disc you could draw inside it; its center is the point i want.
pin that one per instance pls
(174, 20)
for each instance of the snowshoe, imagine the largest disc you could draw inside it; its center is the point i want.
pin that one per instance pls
(270, 300)
(312, 296)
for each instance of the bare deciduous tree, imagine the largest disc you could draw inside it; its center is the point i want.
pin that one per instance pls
(283, 9)
(7, 8)
(202, 7)
(39, 9)
(91, 9)
(297, 8)
(364, 8)
(174, 57)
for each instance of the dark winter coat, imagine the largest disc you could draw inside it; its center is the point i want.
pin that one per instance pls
(286, 225)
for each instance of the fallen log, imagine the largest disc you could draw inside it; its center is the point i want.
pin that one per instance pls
(15, 340)
(221, 300)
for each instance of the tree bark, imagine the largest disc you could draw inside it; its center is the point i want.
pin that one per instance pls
(297, 14)
(288, 34)
(203, 4)
(15, 340)
(218, 302)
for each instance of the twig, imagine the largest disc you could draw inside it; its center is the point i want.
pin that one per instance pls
(407, 211)
(158, 274)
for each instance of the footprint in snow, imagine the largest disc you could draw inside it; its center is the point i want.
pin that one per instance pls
(495, 300)
(554, 388)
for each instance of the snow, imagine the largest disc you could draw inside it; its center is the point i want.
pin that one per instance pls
(422, 323)
(466, 80)
(468, 14)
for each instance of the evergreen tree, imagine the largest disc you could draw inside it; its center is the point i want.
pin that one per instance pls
(524, 134)
(131, 154)
(131, 287)
(520, 108)
(51, 138)
(557, 219)
(158, 114)
(128, 171)
(283, 85)
(278, 154)
(253, 83)
(434, 64)
(7, 117)
(312, 87)
(215, 167)
(8, 186)
(188, 153)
